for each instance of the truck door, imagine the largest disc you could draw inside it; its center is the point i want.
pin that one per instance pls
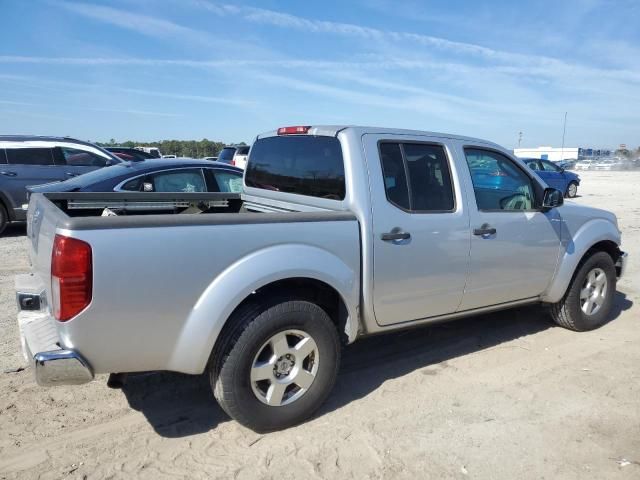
(514, 245)
(420, 228)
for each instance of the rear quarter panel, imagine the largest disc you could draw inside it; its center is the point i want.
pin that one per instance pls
(162, 295)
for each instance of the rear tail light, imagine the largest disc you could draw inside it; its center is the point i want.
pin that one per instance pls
(233, 162)
(293, 130)
(71, 277)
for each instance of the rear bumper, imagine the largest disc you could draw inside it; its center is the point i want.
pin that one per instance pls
(51, 362)
(621, 264)
(61, 367)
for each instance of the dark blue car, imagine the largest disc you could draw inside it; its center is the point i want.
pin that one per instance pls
(157, 175)
(555, 176)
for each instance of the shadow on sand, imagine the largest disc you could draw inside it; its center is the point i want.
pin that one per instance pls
(179, 405)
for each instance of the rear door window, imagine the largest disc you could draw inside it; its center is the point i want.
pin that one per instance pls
(417, 177)
(304, 165)
(30, 156)
(183, 180)
(3, 156)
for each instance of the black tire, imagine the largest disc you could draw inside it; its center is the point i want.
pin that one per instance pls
(568, 313)
(4, 218)
(250, 328)
(569, 193)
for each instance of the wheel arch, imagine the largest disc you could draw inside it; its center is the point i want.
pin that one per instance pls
(300, 271)
(597, 235)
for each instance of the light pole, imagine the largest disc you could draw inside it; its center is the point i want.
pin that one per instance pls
(564, 130)
(519, 139)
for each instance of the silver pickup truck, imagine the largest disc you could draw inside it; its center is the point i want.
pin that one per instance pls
(342, 232)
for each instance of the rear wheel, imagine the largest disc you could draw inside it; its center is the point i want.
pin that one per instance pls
(276, 365)
(589, 299)
(4, 218)
(572, 190)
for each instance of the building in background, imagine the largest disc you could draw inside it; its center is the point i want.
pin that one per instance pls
(556, 154)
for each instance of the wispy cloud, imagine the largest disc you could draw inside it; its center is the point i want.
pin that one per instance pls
(11, 102)
(541, 64)
(75, 87)
(144, 113)
(144, 24)
(194, 98)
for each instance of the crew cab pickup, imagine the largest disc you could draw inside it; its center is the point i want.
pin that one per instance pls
(342, 232)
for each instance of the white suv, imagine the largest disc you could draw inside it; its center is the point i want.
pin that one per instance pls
(234, 155)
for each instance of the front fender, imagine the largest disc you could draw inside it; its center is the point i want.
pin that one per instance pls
(575, 246)
(240, 279)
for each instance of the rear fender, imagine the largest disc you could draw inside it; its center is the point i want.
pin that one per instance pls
(245, 276)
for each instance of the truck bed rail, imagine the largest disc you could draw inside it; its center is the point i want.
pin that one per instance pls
(146, 201)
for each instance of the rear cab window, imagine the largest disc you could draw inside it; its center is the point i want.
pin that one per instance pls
(300, 164)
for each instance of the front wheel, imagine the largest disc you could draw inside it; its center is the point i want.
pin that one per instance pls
(589, 298)
(277, 364)
(572, 190)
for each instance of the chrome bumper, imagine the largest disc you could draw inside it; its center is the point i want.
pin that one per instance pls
(621, 264)
(61, 367)
(41, 346)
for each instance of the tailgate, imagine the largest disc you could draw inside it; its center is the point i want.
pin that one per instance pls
(42, 219)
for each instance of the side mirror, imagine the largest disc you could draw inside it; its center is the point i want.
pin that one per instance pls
(552, 198)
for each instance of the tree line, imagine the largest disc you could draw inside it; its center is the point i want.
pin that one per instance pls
(179, 148)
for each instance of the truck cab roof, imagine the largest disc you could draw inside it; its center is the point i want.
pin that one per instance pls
(333, 130)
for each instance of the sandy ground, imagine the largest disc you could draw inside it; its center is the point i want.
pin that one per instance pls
(507, 396)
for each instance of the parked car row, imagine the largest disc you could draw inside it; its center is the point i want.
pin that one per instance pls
(63, 164)
(33, 160)
(604, 164)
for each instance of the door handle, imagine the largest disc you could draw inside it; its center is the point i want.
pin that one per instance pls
(391, 236)
(9, 174)
(71, 174)
(484, 230)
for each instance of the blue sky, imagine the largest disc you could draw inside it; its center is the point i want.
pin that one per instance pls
(188, 69)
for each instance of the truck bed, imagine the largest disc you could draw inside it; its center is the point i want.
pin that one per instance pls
(163, 285)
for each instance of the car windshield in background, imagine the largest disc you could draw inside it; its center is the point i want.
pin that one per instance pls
(306, 165)
(226, 154)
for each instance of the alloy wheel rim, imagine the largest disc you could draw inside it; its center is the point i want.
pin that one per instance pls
(593, 292)
(284, 368)
(573, 190)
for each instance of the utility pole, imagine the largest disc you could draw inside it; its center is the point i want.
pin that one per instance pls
(564, 130)
(519, 139)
